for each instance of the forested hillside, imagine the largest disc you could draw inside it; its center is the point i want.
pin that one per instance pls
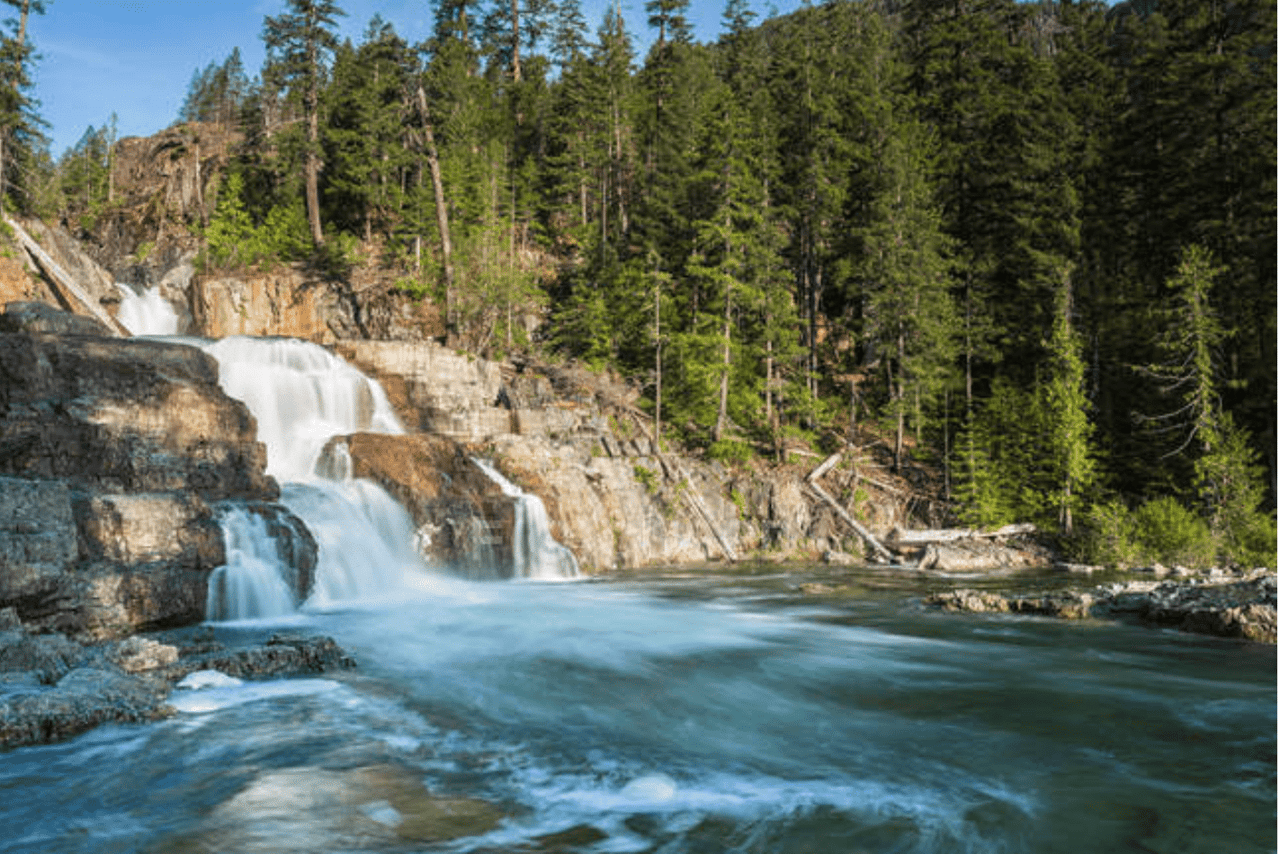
(1033, 244)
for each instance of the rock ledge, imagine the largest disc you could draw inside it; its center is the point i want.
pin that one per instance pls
(1231, 606)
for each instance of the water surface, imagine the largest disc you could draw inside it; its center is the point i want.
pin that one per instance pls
(690, 711)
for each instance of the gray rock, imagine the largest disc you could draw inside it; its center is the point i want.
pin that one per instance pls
(137, 654)
(1238, 608)
(81, 700)
(41, 317)
(38, 539)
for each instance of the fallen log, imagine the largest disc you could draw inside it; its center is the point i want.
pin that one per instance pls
(915, 539)
(867, 537)
(62, 282)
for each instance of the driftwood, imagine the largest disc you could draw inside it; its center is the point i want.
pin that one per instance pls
(867, 537)
(63, 283)
(915, 539)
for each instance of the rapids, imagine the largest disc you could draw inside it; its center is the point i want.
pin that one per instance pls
(686, 712)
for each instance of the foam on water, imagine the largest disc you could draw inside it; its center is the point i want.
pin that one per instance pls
(146, 312)
(213, 697)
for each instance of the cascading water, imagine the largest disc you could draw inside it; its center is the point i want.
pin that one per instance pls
(302, 396)
(250, 583)
(146, 312)
(534, 552)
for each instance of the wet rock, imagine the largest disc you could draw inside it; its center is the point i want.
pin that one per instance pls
(82, 699)
(52, 688)
(1233, 608)
(138, 654)
(464, 519)
(47, 657)
(281, 655)
(42, 317)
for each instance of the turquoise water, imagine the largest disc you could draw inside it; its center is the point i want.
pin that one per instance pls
(699, 711)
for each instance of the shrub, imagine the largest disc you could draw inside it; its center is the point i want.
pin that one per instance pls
(1160, 531)
(1108, 536)
(1171, 534)
(730, 451)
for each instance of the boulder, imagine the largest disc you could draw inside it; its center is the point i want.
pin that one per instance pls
(82, 699)
(1236, 608)
(43, 318)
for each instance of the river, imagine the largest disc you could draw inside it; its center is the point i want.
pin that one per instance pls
(697, 711)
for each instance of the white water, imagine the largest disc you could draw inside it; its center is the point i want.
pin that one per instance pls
(250, 583)
(302, 396)
(146, 312)
(534, 552)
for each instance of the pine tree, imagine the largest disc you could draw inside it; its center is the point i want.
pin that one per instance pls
(365, 146)
(299, 42)
(1226, 480)
(1066, 406)
(20, 126)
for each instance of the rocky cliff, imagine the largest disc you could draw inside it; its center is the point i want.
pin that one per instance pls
(115, 458)
(574, 439)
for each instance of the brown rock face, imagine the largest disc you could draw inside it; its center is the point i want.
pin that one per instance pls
(464, 520)
(124, 414)
(281, 302)
(113, 453)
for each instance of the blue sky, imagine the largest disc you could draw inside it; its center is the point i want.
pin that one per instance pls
(136, 57)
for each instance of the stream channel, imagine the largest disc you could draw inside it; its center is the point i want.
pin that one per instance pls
(686, 711)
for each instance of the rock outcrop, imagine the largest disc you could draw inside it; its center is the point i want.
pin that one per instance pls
(116, 456)
(1217, 604)
(52, 688)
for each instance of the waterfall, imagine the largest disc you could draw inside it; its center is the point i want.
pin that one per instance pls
(250, 584)
(534, 552)
(302, 396)
(146, 312)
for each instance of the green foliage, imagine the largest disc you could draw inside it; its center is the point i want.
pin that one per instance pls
(1159, 531)
(232, 241)
(962, 222)
(647, 477)
(733, 451)
(1167, 532)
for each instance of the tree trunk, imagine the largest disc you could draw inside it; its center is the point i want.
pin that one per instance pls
(722, 411)
(442, 211)
(515, 40)
(899, 394)
(657, 360)
(312, 169)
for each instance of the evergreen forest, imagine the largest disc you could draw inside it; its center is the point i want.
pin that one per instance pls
(1029, 245)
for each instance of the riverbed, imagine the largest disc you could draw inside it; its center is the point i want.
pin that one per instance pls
(686, 711)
